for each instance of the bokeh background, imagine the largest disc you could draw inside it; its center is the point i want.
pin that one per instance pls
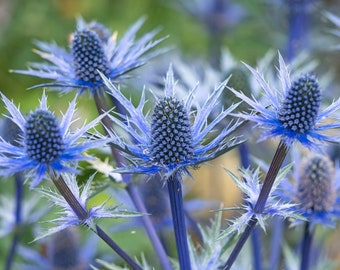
(255, 27)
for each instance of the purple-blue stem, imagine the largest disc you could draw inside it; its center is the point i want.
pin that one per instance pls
(306, 247)
(297, 40)
(102, 107)
(275, 165)
(298, 27)
(255, 234)
(216, 32)
(82, 215)
(176, 202)
(19, 191)
(276, 242)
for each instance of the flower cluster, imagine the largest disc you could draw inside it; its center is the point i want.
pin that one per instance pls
(165, 133)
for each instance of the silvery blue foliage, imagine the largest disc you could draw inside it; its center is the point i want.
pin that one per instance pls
(146, 152)
(250, 185)
(93, 48)
(166, 134)
(46, 145)
(292, 112)
(68, 217)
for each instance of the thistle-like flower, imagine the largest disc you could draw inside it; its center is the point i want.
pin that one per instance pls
(315, 189)
(250, 184)
(68, 216)
(46, 145)
(93, 48)
(172, 142)
(293, 111)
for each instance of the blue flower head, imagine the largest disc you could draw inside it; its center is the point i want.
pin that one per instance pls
(176, 138)
(46, 144)
(93, 48)
(292, 112)
(315, 189)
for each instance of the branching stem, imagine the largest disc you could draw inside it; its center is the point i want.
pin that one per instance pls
(82, 214)
(279, 156)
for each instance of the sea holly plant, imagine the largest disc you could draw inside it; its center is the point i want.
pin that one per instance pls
(93, 48)
(250, 185)
(315, 190)
(69, 216)
(170, 143)
(46, 145)
(293, 113)
(47, 149)
(166, 135)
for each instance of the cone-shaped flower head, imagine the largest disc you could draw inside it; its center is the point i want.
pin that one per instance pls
(43, 140)
(300, 108)
(64, 250)
(89, 58)
(93, 48)
(293, 112)
(315, 189)
(46, 144)
(176, 138)
(171, 138)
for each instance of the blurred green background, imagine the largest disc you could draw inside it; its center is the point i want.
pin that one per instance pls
(22, 22)
(263, 27)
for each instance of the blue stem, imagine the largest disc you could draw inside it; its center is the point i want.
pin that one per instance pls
(298, 27)
(216, 32)
(19, 190)
(83, 214)
(275, 165)
(306, 247)
(176, 202)
(256, 241)
(255, 235)
(276, 243)
(102, 107)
